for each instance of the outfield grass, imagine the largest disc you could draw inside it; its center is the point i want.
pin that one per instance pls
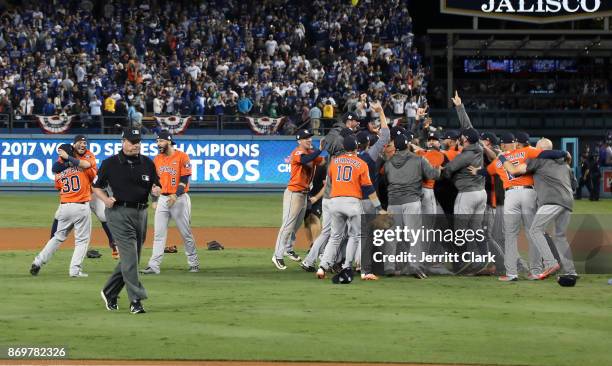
(241, 308)
(208, 210)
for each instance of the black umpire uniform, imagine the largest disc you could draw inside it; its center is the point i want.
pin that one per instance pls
(130, 180)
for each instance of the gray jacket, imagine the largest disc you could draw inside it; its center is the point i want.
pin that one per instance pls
(405, 172)
(457, 169)
(554, 182)
(333, 141)
(464, 119)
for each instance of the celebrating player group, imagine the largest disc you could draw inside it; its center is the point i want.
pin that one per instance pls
(476, 180)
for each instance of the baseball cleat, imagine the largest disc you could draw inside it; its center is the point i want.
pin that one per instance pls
(507, 278)
(194, 269)
(419, 274)
(293, 255)
(34, 269)
(549, 271)
(279, 263)
(321, 273)
(148, 270)
(111, 304)
(136, 307)
(115, 253)
(307, 268)
(533, 277)
(79, 275)
(369, 277)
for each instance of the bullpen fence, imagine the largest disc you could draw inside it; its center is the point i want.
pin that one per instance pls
(219, 163)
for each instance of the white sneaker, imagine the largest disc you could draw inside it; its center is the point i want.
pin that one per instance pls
(149, 270)
(80, 274)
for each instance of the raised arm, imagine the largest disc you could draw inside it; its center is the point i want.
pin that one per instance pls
(385, 134)
(464, 119)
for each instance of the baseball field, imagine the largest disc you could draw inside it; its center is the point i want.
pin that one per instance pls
(239, 307)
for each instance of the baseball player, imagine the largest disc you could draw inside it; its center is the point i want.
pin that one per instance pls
(349, 178)
(333, 145)
(519, 204)
(174, 171)
(74, 186)
(97, 207)
(405, 174)
(314, 208)
(303, 160)
(554, 184)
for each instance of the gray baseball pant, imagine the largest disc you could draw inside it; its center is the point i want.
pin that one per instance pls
(129, 229)
(318, 246)
(69, 216)
(343, 210)
(181, 213)
(408, 215)
(294, 209)
(561, 217)
(519, 207)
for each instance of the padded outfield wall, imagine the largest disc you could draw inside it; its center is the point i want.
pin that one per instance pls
(219, 163)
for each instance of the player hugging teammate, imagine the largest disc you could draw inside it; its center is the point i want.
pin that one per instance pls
(476, 189)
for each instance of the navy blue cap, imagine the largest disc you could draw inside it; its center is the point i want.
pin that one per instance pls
(373, 139)
(363, 137)
(471, 135)
(450, 134)
(303, 134)
(433, 135)
(350, 143)
(522, 137)
(409, 135)
(394, 131)
(78, 138)
(350, 116)
(67, 148)
(401, 142)
(489, 136)
(345, 131)
(132, 134)
(507, 138)
(166, 135)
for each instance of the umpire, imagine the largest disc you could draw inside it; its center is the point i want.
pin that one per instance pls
(130, 178)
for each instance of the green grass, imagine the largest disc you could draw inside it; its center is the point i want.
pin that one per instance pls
(241, 308)
(208, 210)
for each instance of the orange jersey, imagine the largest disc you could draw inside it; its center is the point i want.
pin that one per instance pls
(90, 157)
(516, 157)
(347, 174)
(170, 169)
(74, 184)
(451, 154)
(436, 159)
(301, 174)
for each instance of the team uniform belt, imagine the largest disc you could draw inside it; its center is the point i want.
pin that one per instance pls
(519, 187)
(136, 205)
(78, 203)
(167, 194)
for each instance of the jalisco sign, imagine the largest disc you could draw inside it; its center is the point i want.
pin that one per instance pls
(532, 11)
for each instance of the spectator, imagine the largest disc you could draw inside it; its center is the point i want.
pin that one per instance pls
(49, 108)
(244, 104)
(315, 119)
(95, 109)
(26, 105)
(109, 106)
(158, 105)
(411, 111)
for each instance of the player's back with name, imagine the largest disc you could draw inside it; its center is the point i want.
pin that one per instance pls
(74, 184)
(348, 174)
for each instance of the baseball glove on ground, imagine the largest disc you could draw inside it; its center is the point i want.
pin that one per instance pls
(382, 222)
(93, 254)
(214, 245)
(567, 280)
(171, 249)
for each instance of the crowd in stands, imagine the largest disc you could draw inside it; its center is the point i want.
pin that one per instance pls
(219, 57)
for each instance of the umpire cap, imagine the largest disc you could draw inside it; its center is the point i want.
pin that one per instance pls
(133, 135)
(350, 143)
(401, 142)
(166, 135)
(522, 137)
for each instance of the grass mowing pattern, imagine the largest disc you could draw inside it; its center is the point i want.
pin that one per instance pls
(240, 307)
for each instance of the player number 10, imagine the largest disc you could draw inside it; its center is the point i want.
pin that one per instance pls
(345, 173)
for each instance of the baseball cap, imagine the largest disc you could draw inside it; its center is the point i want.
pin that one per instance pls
(450, 134)
(345, 131)
(489, 136)
(78, 138)
(507, 138)
(395, 131)
(471, 135)
(401, 142)
(373, 139)
(350, 143)
(522, 137)
(409, 135)
(363, 137)
(67, 148)
(132, 134)
(303, 134)
(349, 116)
(433, 136)
(166, 135)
